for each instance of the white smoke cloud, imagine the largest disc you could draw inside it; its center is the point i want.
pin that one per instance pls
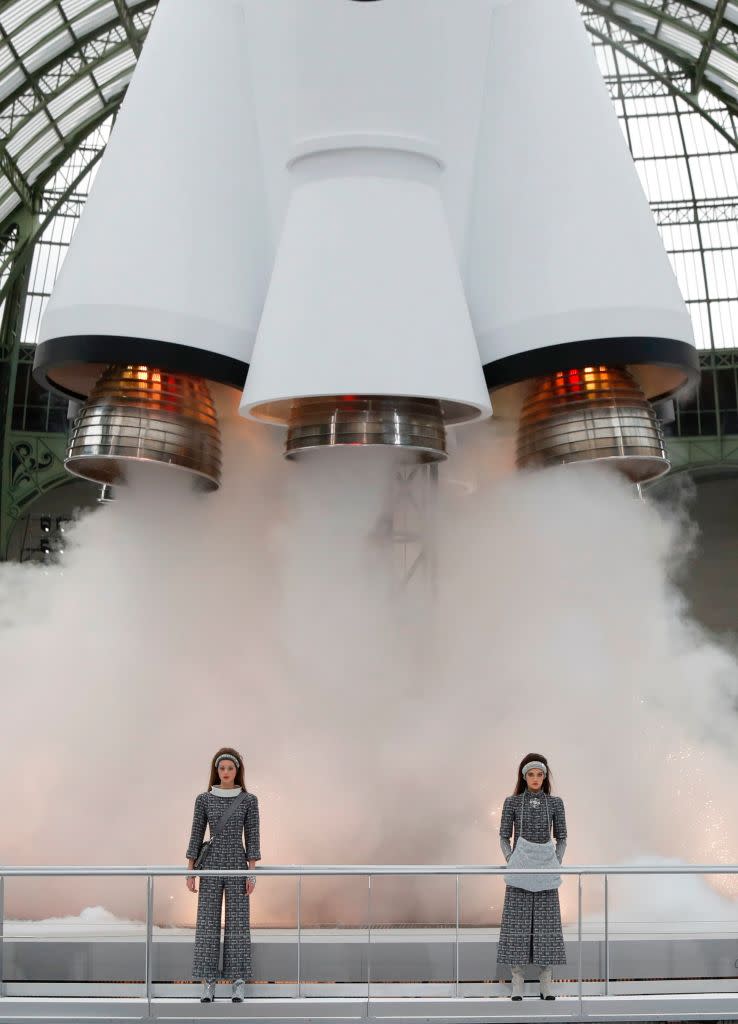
(381, 721)
(92, 922)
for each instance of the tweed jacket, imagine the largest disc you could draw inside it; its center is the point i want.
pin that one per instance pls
(238, 842)
(535, 826)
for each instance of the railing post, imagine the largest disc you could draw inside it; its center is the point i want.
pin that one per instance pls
(607, 938)
(2, 935)
(579, 929)
(456, 969)
(299, 935)
(149, 936)
(368, 943)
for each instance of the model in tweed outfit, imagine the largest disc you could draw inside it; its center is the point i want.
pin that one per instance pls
(531, 921)
(226, 783)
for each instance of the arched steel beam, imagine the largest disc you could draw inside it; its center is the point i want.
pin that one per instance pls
(708, 44)
(27, 193)
(126, 21)
(86, 71)
(19, 258)
(686, 65)
(667, 82)
(75, 50)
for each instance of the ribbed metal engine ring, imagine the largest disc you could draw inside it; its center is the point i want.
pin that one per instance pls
(593, 414)
(139, 414)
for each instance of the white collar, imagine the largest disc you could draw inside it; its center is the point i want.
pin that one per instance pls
(219, 791)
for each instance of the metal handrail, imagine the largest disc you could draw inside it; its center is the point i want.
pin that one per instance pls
(305, 870)
(368, 871)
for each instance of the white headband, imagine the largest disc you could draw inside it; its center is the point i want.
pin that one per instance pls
(227, 757)
(534, 764)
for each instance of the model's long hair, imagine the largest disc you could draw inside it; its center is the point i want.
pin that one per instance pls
(215, 778)
(521, 785)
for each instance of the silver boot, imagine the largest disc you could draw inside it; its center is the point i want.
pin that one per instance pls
(518, 982)
(239, 991)
(208, 992)
(545, 979)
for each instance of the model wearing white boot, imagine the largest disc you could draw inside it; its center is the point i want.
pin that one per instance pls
(207, 995)
(232, 815)
(531, 931)
(545, 979)
(518, 983)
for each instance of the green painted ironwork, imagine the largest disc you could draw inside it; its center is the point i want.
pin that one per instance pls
(126, 20)
(32, 428)
(48, 110)
(20, 260)
(644, 21)
(703, 455)
(35, 465)
(668, 82)
(9, 355)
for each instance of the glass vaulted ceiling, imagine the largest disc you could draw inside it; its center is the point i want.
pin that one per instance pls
(671, 67)
(64, 67)
(701, 36)
(672, 70)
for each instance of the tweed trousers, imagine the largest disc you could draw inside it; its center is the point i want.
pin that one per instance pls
(237, 844)
(236, 937)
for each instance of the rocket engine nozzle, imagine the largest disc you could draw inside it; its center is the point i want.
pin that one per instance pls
(413, 425)
(139, 414)
(593, 414)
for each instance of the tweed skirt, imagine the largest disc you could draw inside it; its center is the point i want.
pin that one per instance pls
(531, 928)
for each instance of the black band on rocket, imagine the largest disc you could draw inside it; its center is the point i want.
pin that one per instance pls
(113, 349)
(595, 352)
